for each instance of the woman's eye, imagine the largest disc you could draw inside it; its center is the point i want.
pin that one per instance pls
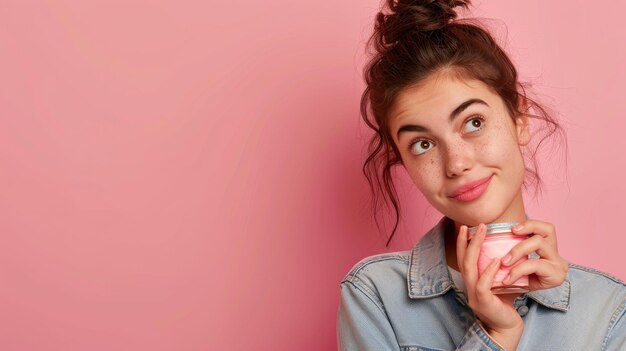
(473, 124)
(418, 147)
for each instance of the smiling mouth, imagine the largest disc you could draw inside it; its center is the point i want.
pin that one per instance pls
(472, 190)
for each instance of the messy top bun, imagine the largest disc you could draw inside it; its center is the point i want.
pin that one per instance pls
(413, 17)
(413, 39)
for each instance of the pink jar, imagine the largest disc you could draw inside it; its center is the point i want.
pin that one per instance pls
(498, 242)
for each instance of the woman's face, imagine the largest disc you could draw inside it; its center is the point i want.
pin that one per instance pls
(462, 148)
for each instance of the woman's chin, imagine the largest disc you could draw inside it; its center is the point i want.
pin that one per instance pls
(475, 215)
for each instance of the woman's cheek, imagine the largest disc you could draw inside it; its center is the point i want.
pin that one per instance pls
(426, 175)
(490, 150)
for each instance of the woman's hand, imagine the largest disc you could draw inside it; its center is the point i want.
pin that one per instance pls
(496, 312)
(549, 270)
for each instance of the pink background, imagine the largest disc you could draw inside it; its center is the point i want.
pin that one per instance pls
(185, 175)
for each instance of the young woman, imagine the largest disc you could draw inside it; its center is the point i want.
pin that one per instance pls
(447, 105)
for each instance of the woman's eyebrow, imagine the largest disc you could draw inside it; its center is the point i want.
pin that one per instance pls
(457, 111)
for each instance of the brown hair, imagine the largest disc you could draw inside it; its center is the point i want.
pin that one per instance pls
(414, 40)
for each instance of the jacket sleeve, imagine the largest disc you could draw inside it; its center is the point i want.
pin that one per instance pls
(361, 323)
(616, 338)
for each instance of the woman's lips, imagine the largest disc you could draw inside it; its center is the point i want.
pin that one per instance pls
(472, 190)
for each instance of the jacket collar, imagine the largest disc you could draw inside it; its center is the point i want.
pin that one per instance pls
(428, 274)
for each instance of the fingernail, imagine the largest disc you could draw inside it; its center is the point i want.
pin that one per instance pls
(506, 259)
(518, 227)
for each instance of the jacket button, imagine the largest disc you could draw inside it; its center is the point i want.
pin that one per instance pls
(522, 310)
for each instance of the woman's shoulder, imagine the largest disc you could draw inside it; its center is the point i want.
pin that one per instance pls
(582, 273)
(379, 266)
(590, 286)
(595, 297)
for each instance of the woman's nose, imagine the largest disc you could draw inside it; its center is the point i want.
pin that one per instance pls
(459, 160)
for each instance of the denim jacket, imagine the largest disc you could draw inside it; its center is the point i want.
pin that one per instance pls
(407, 301)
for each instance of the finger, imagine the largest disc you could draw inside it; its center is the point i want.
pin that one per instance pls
(485, 282)
(461, 245)
(544, 229)
(545, 271)
(470, 259)
(536, 243)
(461, 248)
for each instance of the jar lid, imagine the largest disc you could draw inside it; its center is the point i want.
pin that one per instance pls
(495, 228)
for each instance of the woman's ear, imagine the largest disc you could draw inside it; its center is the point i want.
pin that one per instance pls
(522, 123)
(522, 126)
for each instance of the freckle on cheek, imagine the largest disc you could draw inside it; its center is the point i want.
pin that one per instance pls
(483, 147)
